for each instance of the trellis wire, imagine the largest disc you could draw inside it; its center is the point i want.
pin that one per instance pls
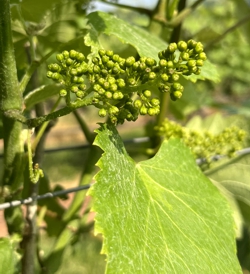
(43, 196)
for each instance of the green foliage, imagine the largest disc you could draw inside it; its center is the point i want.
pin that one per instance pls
(7, 258)
(154, 203)
(159, 215)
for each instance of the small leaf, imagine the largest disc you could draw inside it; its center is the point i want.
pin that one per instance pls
(7, 258)
(40, 94)
(161, 215)
(145, 43)
(234, 176)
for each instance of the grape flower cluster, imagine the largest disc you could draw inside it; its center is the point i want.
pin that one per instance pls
(203, 144)
(121, 87)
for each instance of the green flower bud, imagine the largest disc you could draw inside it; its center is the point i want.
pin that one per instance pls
(63, 92)
(116, 96)
(101, 91)
(177, 86)
(69, 61)
(150, 62)
(106, 85)
(155, 102)
(102, 52)
(199, 63)
(191, 63)
(73, 72)
(102, 112)
(163, 63)
(113, 110)
(73, 54)
(175, 77)
(115, 57)
(142, 66)
(130, 61)
(65, 54)
(54, 67)
(49, 74)
(147, 93)
(96, 87)
(96, 69)
(136, 66)
(113, 87)
(177, 94)
(108, 95)
(164, 77)
(170, 64)
(151, 111)
(104, 72)
(182, 46)
(105, 59)
(203, 56)
(74, 89)
(111, 80)
(198, 48)
(161, 56)
(101, 81)
(56, 76)
(80, 57)
(191, 44)
(151, 75)
(143, 110)
(95, 61)
(59, 57)
(109, 53)
(138, 104)
(80, 80)
(172, 47)
(198, 71)
(164, 88)
(131, 81)
(110, 64)
(115, 70)
(121, 83)
(193, 69)
(82, 87)
(80, 94)
(184, 56)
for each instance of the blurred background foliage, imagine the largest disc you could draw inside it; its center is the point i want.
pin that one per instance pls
(222, 26)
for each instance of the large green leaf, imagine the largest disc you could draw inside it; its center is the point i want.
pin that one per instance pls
(145, 43)
(40, 94)
(7, 258)
(161, 215)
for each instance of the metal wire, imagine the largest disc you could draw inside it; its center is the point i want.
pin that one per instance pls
(43, 196)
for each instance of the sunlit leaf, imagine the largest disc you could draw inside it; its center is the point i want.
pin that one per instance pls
(161, 215)
(145, 43)
(6, 257)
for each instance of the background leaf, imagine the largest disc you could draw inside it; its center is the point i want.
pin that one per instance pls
(41, 94)
(7, 259)
(158, 208)
(145, 43)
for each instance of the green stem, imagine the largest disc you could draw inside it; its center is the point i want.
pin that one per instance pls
(226, 32)
(10, 97)
(85, 129)
(43, 127)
